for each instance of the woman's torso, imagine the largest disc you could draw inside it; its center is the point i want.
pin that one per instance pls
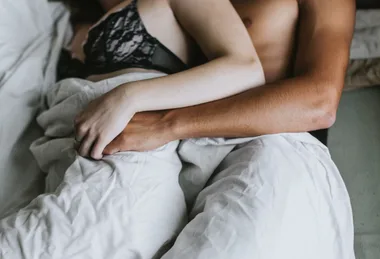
(270, 23)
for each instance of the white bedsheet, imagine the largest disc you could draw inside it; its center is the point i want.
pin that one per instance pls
(31, 34)
(27, 70)
(127, 205)
(131, 204)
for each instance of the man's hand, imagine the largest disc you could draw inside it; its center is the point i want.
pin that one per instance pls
(146, 131)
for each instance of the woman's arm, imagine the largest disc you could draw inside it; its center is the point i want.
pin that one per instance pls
(306, 102)
(233, 68)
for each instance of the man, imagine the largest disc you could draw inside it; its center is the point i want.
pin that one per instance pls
(304, 49)
(303, 46)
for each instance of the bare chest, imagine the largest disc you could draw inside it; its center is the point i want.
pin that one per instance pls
(272, 27)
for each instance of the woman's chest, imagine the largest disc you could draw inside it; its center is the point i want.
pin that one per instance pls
(130, 24)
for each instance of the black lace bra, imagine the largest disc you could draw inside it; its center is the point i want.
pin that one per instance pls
(120, 41)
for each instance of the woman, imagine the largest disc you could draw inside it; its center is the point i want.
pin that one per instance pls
(126, 205)
(128, 38)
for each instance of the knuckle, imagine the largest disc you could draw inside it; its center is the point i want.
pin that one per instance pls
(82, 129)
(92, 131)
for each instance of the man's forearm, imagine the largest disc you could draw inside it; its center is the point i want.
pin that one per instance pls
(293, 105)
(304, 103)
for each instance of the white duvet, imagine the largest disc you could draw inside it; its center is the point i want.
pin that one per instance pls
(128, 205)
(132, 205)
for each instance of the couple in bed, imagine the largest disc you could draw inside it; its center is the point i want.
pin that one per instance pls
(138, 88)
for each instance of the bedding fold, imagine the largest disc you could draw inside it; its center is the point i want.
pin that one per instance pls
(128, 205)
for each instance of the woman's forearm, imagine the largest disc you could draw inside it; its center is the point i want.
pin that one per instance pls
(217, 79)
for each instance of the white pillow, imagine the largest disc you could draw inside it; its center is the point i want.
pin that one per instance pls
(31, 36)
(23, 25)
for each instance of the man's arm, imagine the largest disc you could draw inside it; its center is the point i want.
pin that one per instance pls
(306, 102)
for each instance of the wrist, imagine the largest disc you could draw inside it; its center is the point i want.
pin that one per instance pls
(131, 97)
(177, 128)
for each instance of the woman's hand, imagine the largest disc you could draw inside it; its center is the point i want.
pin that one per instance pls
(102, 120)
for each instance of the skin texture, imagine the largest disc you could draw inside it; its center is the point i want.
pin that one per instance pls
(221, 35)
(305, 101)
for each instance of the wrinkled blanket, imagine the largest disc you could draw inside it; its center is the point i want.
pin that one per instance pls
(128, 205)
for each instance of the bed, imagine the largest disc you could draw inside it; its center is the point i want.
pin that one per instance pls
(31, 35)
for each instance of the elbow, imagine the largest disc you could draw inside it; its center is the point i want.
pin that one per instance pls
(326, 118)
(259, 72)
(247, 67)
(255, 72)
(326, 106)
(252, 67)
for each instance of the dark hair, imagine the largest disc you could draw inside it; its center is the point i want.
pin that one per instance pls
(84, 11)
